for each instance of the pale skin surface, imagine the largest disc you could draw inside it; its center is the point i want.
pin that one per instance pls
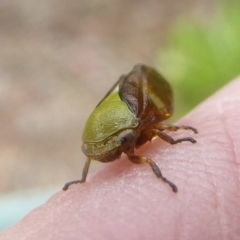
(127, 201)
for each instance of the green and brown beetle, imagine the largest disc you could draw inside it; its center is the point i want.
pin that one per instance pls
(130, 114)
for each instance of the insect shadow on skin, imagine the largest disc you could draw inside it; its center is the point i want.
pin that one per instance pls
(131, 114)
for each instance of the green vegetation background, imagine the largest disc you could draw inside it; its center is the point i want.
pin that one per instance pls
(201, 57)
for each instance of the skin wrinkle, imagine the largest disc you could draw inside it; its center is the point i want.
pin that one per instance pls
(228, 102)
(222, 215)
(235, 167)
(219, 199)
(230, 139)
(218, 210)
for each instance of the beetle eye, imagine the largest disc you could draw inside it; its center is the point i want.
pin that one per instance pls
(126, 138)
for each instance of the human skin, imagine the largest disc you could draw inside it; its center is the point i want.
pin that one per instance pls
(126, 201)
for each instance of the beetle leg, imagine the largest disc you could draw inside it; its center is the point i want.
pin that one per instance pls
(175, 128)
(84, 175)
(170, 140)
(155, 168)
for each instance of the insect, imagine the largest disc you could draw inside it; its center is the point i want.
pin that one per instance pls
(131, 114)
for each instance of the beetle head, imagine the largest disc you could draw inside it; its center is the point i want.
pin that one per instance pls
(111, 148)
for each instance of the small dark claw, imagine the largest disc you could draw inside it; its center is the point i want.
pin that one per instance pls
(194, 130)
(174, 188)
(187, 139)
(192, 140)
(171, 184)
(189, 128)
(66, 186)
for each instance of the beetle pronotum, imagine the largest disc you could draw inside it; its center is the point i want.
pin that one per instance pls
(130, 114)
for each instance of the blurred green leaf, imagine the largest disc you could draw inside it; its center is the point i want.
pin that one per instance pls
(201, 57)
